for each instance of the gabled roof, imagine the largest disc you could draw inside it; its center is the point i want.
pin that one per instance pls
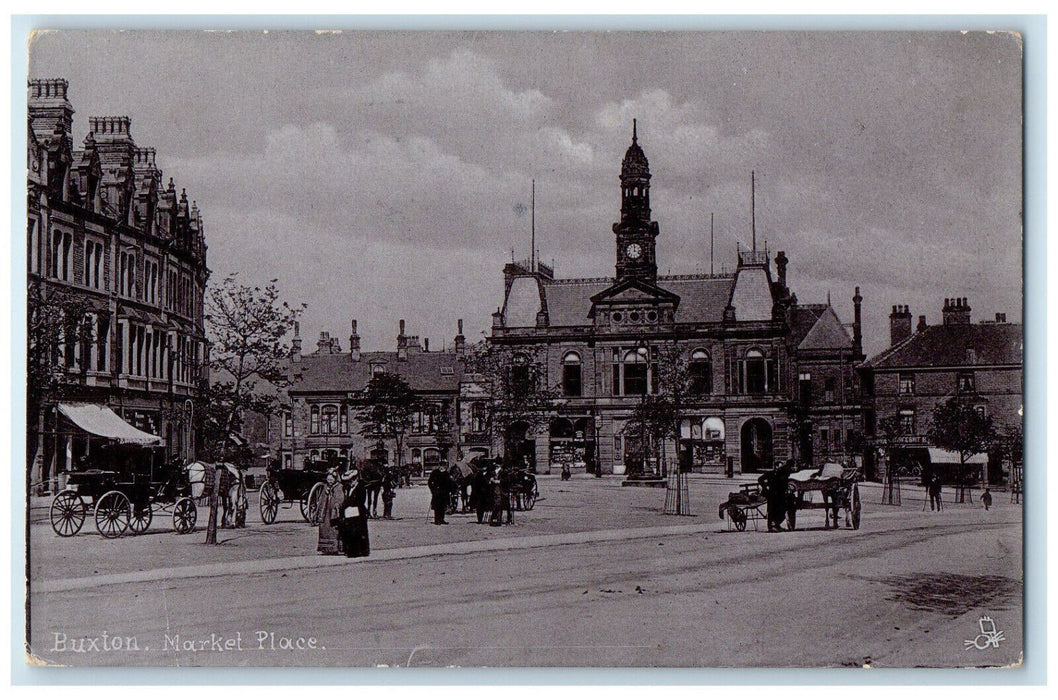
(826, 334)
(634, 290)
(337, 372)
(947, 346)
(802, 319)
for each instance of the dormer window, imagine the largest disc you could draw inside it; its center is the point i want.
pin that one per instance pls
(377, 370)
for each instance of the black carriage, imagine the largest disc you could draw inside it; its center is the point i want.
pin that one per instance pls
(831, 488)
(523, 489)
(122, 486)
(285, 487)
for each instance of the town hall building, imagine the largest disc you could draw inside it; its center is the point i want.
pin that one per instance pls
(769, 378)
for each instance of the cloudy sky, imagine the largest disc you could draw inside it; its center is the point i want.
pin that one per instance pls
(387, 176)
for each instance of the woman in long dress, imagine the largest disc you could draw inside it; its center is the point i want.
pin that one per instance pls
(330, 511)
(353, 527)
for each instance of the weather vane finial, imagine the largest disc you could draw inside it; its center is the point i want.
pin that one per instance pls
(633, 131)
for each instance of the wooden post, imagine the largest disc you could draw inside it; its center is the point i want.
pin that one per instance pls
(214, 499)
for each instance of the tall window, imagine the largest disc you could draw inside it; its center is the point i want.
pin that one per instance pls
(907, 421)
(635, 372)
(343, 419)
(329, 420)
(965, 383)
(907, 383)
(804, 386)
(701, 371)
(477, 417)
(60, 255)
(520, 378)
(571, 374)
(828, 390)
(314, 420)
(288, 424)
(102, 336)
(755, 374)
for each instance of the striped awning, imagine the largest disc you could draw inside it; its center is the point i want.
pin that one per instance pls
(100, 420)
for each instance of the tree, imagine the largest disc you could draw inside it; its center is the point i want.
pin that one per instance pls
(517, 389)
(246, 328)
(54, 321)
(655, 418)
(385, 411)
(959, 427)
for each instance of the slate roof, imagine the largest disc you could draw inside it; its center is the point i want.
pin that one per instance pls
(947, 345)
(702, 299)
(802, 319)
(826, 334)
(336, 372)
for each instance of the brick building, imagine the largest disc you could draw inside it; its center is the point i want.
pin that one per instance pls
(319, 418)
(755, 356)
(979, 363)
(104, 227)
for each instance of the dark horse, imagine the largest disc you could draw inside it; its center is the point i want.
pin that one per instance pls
(372, 477)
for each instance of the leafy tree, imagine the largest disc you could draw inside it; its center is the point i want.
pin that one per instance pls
(54, 320)
(385, 411)
(246, 328)
(517, 388)
(655, 418)
(959, 427)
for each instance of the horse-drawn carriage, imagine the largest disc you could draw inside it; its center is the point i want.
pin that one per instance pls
(523, 489)
(288, 486)
(831, 488)
(124, 497)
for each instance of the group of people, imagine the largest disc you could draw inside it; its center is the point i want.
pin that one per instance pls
(488, 490)
(343, 515)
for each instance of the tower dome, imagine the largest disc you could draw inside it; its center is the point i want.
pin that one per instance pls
(635, 165)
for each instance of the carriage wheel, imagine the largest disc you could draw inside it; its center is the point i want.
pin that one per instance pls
(310, 505)
(855, 507)
(530, 498)
(68, 511)
(140, 519)
(738, 517)
(185, 513)
(112, 514)
(269, 503)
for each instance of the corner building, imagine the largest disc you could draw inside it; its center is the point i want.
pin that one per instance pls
(743, 336)
(104, 227)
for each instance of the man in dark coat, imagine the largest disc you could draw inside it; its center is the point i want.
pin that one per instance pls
(775, 485)
(500, 485)
(441, 489)
(480, 494)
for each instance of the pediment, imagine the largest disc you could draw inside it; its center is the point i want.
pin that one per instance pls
(633, 293)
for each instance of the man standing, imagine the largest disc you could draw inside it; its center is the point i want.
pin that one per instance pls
(775, 484)
(441, 487)
(481, 494)
(934, 489)
(389, 493)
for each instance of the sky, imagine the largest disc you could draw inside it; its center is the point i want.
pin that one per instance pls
(385, 176)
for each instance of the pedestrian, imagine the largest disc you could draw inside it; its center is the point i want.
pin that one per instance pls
(441, 487)
(481, 494)
(934, 489)
(500, 485)
(328, 541)
(352, 526)
(775, 485)
(986, 498)
(565, 471)
(389, 493)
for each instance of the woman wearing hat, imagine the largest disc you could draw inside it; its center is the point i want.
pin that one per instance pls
(352, 526)
(330, 512)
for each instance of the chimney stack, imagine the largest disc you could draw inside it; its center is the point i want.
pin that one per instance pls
(780, 268)
(295, 344)
(426, 345)
(921, 324)
(1001, 318)
(354, 344)
(857, 301)
(899, 325)
(402, 343)
(324, 345)
(460, 340)
(956, 312)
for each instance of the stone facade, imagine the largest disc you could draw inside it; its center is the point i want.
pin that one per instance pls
(743, 336)
(105, 228)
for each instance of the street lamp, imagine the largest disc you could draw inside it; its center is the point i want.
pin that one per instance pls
(189, 409)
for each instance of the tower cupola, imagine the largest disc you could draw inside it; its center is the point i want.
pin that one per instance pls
(635, 231)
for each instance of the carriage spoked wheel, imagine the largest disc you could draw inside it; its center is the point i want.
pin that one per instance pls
(269, 502)
(140, 519)
(68, 511)
(112, 514)
(310, 504)
(738, 518)
(855, 507)
(529, 499)
(184, 516)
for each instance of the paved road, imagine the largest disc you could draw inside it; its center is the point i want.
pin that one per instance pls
(907, 589)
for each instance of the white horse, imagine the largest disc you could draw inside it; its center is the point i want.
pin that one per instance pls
(231, 490)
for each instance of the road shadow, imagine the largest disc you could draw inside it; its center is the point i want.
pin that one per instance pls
(952, 594)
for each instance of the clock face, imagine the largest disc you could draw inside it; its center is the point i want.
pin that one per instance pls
(634, 250)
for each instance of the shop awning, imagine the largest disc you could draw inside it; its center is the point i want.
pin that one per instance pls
(100, 420)
(939, 456)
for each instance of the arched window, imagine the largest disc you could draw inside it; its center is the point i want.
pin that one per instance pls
(635, 372)
(314, 420)
(701, 373)
(571, 375)
(329, 416)
(757, 373)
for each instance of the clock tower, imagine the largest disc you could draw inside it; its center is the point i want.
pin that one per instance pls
(635, 231)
